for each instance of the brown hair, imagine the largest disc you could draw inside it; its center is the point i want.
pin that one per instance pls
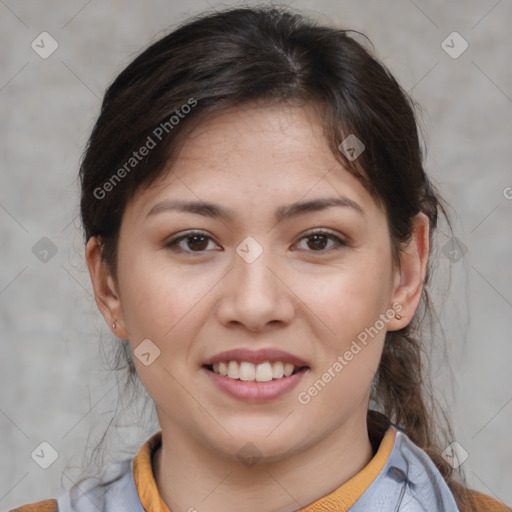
(224, 59)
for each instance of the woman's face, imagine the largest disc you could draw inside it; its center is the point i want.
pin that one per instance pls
(292, 265)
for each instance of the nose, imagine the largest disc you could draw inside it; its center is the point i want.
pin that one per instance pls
(255, 295)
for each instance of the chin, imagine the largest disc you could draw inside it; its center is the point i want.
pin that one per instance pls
(259, 444)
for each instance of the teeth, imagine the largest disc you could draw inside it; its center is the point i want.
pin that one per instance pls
(277, 370)
(233, 370)
(263, 372)
(288, 369)
(247, 371)
(223, 369)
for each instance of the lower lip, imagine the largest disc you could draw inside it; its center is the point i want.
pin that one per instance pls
(255, 391)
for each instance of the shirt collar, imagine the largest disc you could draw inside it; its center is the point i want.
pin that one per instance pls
(340, 500)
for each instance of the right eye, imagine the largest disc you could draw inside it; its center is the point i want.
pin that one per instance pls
(193, 241)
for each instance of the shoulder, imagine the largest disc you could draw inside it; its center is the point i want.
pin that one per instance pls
(477, 501)
(40, 506)
(426, 488)
(116, 492)
(421, 466)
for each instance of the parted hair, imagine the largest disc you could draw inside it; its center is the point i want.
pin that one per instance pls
(221, 60)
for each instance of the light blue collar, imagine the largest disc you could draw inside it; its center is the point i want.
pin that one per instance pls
(409, 482)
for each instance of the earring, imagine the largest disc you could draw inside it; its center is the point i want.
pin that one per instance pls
(114, 326)
(398, 316)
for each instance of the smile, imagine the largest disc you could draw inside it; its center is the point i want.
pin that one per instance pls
(254, 390)
(246, 371)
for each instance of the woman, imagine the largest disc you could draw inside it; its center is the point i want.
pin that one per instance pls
(258, 227)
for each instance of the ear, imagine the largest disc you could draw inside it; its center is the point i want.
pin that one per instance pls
(410, 277)
(105, 289)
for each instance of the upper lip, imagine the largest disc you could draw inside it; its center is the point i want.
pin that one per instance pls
(256, 356)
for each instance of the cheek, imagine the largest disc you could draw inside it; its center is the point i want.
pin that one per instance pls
(157, 298)
(351, 297)
(349, 304)
(161, 304)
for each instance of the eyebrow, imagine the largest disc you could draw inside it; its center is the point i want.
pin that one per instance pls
(282, 213)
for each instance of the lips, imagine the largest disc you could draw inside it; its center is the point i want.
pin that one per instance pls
(255, 375)
(254, 391)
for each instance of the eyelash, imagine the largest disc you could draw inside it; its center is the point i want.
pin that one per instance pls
(174, 243)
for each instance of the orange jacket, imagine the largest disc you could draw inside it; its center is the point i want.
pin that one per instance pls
(340, 500)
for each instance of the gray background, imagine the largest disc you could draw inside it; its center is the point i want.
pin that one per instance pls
(52, 386)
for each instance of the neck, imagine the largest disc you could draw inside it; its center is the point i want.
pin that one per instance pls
(190, 477)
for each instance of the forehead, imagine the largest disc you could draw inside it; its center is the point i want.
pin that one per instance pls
(263, 154)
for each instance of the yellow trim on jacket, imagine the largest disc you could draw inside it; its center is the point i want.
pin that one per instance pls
(340, 500)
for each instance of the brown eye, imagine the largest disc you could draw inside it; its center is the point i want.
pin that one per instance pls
(318, 241)
(190, 242)
(197, 242)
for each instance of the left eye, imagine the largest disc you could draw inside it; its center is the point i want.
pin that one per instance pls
(318, 240)
(198, 242)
